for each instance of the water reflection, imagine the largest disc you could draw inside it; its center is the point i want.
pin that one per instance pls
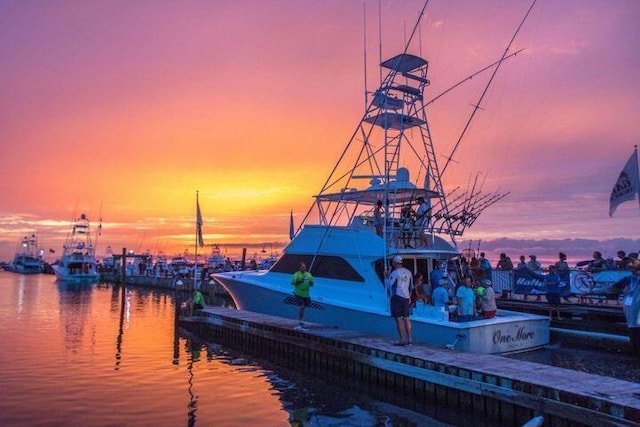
(75, 312)
(307, 401)
(125, 311)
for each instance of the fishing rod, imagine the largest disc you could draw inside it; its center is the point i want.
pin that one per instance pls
(470, 77)
(486, 89)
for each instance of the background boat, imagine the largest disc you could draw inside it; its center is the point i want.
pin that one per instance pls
(78, 262)
(28, 259)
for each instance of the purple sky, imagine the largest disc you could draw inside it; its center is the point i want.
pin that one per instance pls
(124, 109)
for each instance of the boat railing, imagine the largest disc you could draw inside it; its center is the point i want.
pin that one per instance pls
(401, 232)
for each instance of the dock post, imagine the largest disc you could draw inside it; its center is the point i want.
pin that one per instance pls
(123, 267)
(244, 259)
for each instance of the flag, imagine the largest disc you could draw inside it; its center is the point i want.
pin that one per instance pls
(628, 184)
(291, 229)
(199, 223)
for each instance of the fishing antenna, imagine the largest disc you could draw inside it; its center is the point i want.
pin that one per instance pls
(380, 40)
(484, 92)
(364, 42)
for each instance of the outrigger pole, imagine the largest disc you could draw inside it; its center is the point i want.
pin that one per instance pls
(484, 92)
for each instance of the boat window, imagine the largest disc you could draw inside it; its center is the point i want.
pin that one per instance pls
(379, 267)
(330, 267)
(422, 265)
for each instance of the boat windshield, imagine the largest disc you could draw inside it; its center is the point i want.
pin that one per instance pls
(330, 267)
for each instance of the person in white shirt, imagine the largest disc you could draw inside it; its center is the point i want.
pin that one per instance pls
(400, 284)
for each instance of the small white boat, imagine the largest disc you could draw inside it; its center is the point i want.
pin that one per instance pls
(348, 255)
(28, 259)
(78, 263)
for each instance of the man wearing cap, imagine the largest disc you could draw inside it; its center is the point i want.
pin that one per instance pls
(488, 297)
(440, 295)
(399, 284)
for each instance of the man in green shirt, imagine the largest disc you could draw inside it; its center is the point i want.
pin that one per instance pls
(302, 281)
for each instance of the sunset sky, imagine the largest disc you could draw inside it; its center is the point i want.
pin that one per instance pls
(123, 110)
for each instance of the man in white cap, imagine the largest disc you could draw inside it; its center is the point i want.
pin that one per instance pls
(399, 284)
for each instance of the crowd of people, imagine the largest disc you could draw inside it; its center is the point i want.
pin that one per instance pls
(474, 297)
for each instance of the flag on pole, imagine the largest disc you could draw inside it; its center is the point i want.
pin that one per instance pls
(199, 223)
(628, 184)
(291, 229)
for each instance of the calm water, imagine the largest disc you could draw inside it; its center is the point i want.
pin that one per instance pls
(81, 357)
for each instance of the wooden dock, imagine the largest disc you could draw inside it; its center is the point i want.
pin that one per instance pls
(498, 389)
(162, 282)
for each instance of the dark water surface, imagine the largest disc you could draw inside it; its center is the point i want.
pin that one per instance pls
(79, 356)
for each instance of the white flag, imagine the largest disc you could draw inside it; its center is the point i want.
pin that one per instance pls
(628, 184)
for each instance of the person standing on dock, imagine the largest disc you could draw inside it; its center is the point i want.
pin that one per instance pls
(562, 268)
(197, 302)
(631, 308)
(505, 263)
(400, 284)
(302, 282)
(552, 282)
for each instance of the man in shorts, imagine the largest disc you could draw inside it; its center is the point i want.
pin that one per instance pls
(302, 281)
(399, 283)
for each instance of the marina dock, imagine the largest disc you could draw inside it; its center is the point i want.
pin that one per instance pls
(499, 389)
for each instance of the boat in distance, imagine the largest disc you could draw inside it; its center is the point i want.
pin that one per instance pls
(28, 259)
(370, 210)
(78, 263)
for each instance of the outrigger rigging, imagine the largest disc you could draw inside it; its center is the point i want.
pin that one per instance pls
(393, 138)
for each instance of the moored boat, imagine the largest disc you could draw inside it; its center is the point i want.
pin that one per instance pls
(78, 263)
(372, 209)
(28, 259)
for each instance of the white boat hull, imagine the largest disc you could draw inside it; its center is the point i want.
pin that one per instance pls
(77, 270)
(508, 332)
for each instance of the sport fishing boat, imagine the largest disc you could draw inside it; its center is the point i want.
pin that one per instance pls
(27, 260)
(348, 247)
(78, 262)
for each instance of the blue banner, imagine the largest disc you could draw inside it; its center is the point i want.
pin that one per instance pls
(526, 282)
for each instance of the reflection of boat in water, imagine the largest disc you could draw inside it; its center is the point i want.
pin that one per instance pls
(78, 262)
(348, 256)
(28, 259)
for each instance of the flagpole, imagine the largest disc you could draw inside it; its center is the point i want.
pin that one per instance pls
(195, 267)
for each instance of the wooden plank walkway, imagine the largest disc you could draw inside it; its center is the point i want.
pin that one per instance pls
(567, 396)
